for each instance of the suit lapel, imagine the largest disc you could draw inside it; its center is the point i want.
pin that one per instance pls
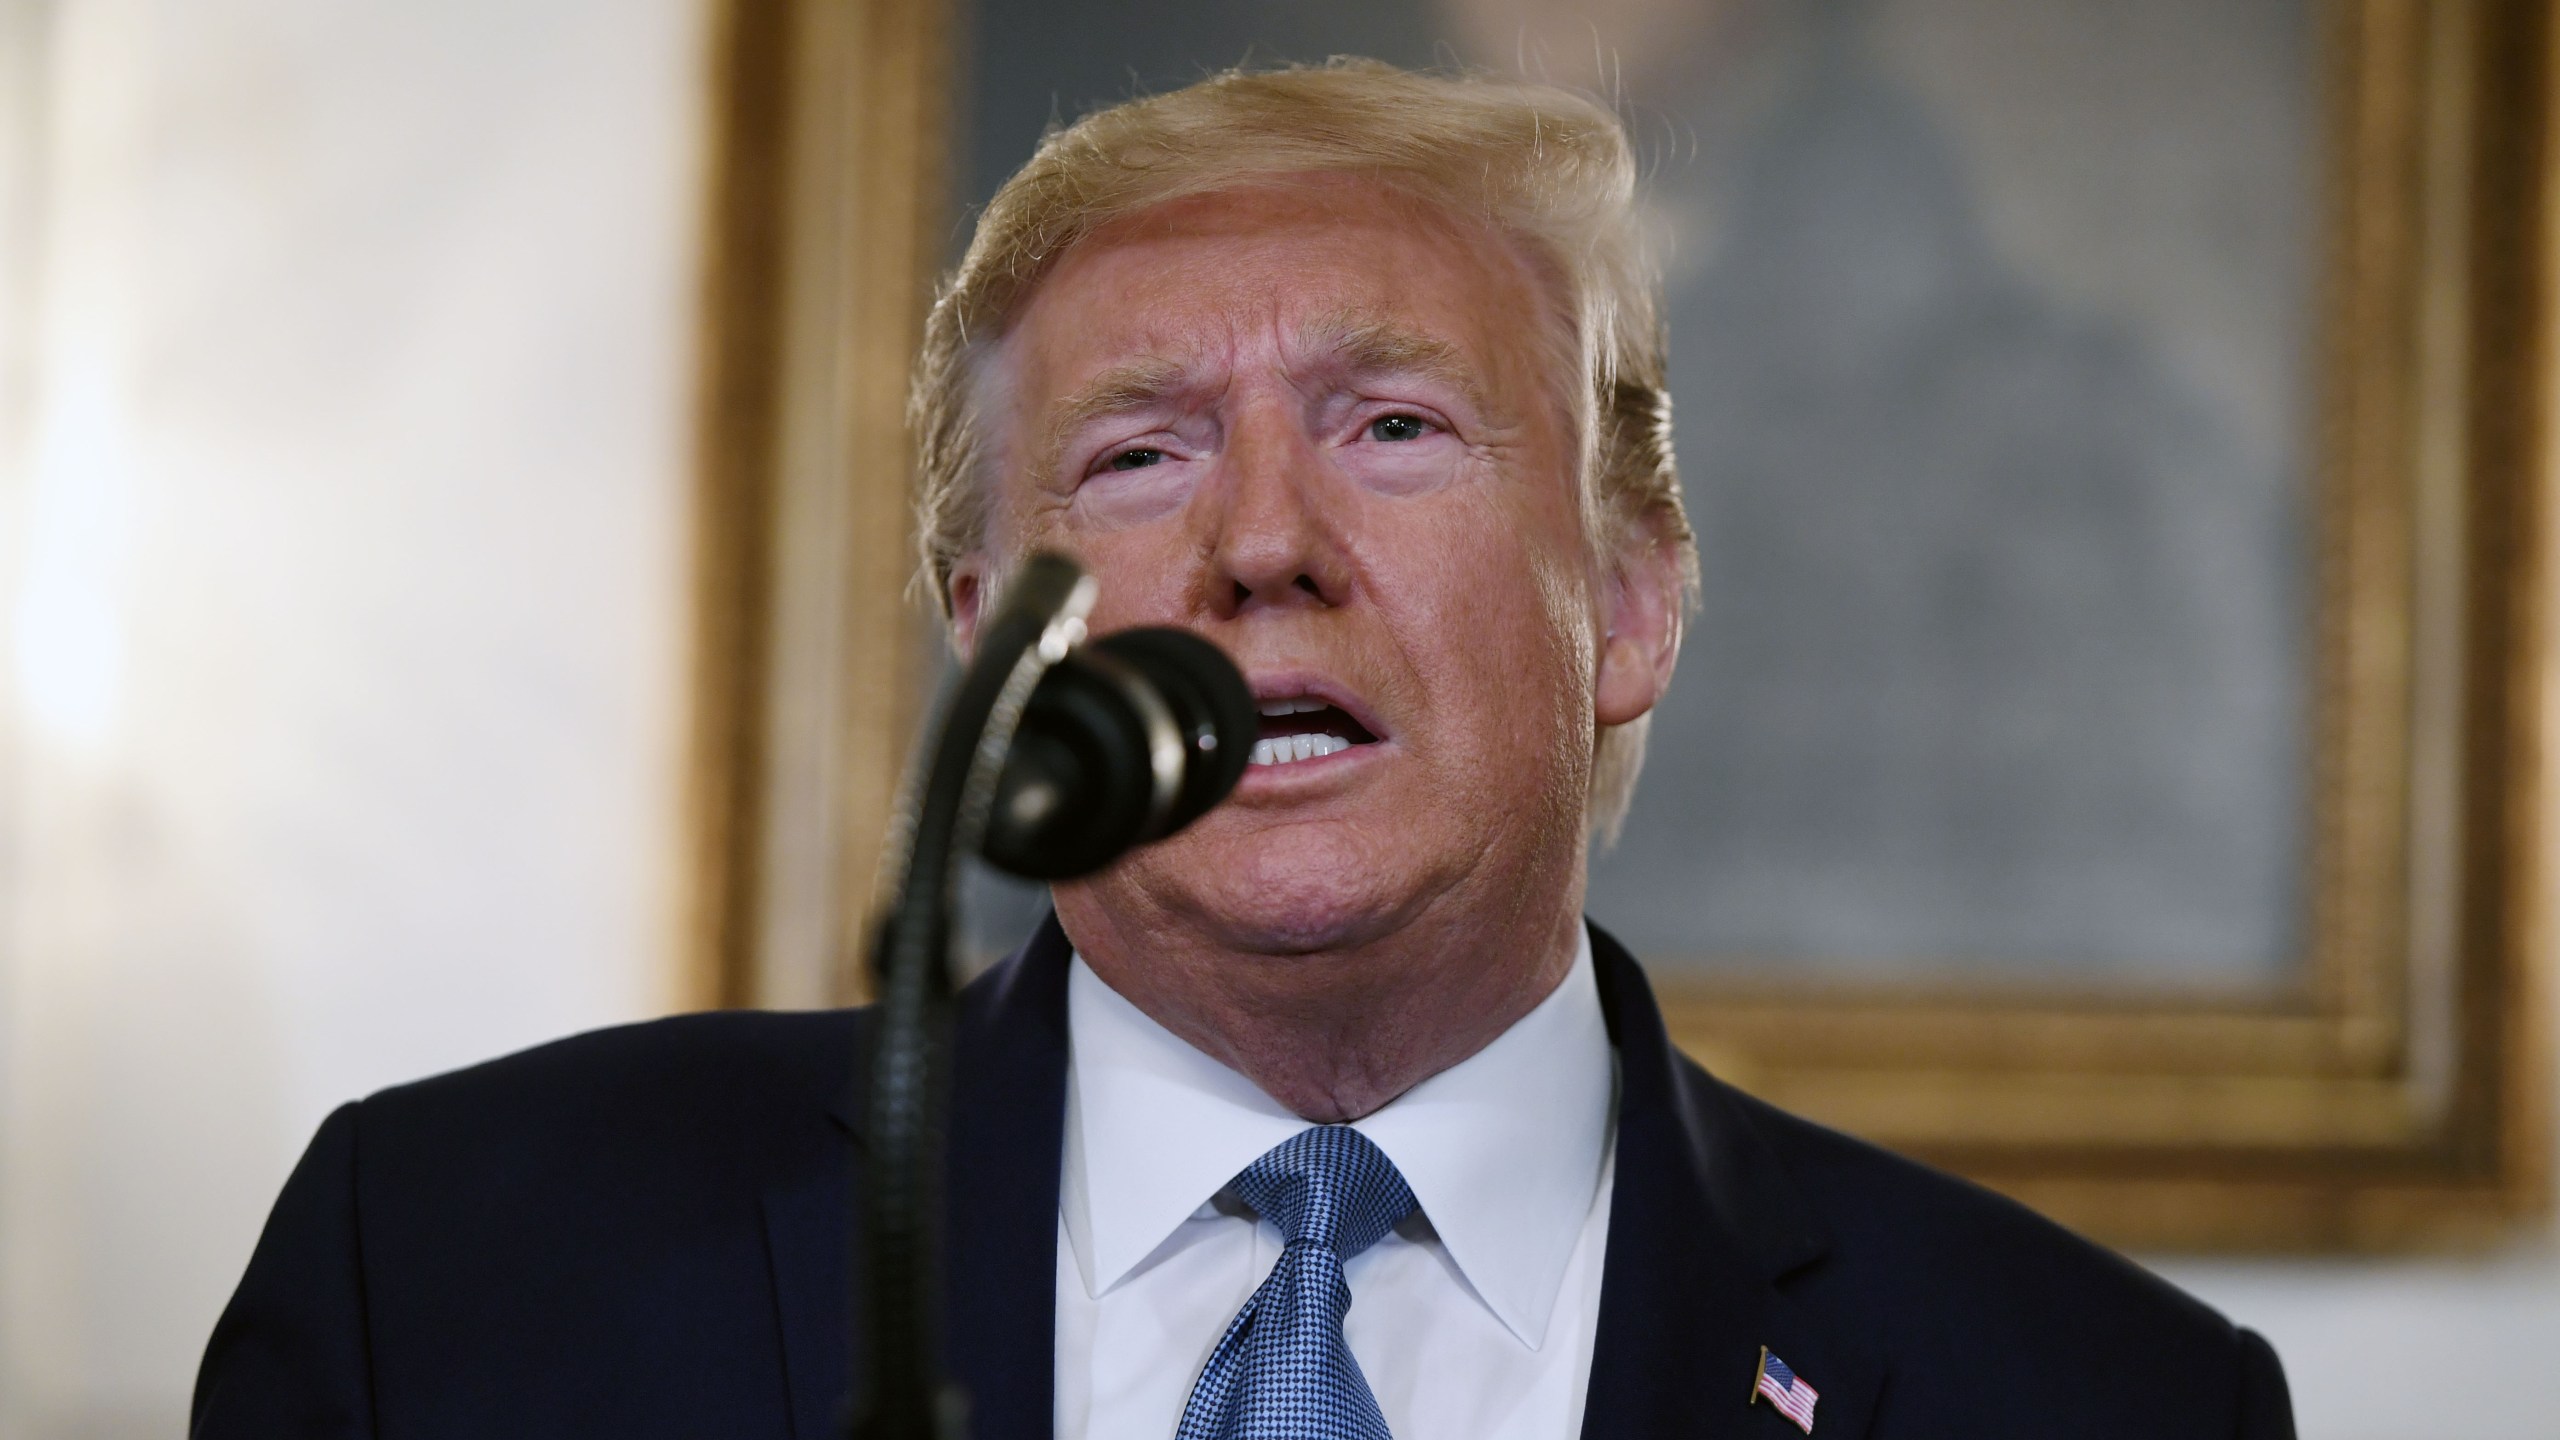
(1000, 1208)
(808, 1230)
(1008, 1114)
(1705, 1231)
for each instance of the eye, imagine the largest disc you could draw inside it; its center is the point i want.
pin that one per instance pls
(1397, 427)
(1134, 459)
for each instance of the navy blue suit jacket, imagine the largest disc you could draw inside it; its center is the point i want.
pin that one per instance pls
(644, 1232)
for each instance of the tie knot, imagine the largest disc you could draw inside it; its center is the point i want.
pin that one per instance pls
(1330, 1186)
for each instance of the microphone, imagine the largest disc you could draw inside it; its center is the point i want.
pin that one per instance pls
(1124, 741)
(1051, 757)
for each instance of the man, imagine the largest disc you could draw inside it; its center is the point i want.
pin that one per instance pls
(1330, 1116)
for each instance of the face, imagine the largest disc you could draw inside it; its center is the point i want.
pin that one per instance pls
(1320, 424)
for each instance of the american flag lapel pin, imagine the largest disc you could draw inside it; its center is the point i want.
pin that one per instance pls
(1786, 1390)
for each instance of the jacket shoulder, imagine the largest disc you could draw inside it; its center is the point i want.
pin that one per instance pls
(1987, 1308)
(724, 1065)
(1886, 1209)
(575, 1239)
(654, 1109)
(728, 1050)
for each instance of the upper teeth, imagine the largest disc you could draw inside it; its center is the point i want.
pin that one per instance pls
(1281, 749)
(1297, 705)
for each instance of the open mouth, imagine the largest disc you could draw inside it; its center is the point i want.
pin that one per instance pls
(1304, 727)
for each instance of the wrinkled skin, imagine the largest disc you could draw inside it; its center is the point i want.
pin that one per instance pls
(1323, 425)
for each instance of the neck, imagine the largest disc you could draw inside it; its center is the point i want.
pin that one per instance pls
(1335, 1034)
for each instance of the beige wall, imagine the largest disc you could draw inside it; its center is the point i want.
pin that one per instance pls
(343, 386)
(343, 607)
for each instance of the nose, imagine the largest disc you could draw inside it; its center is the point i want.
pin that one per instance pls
(1272, 541)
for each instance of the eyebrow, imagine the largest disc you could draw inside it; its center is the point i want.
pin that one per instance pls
(1116, 391)
(1367, 345)
(1359, 344)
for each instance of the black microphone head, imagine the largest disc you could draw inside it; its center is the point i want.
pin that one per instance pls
(1123, 742)
(1212, 708)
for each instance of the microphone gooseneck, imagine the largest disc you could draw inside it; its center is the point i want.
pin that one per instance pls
(1054, 758)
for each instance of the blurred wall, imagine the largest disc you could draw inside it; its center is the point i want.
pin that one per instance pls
(344, 365)
(344, 502)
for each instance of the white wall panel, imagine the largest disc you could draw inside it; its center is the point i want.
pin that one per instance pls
(345, 585)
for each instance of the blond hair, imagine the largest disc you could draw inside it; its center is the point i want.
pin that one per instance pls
(1545, 167)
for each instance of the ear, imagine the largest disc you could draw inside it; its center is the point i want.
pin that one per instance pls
(1641, 639)
(968, 590)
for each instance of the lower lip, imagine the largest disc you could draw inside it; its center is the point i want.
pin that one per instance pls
(1283, 777)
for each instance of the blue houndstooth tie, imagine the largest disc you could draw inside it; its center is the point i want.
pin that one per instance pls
(1283, 1371)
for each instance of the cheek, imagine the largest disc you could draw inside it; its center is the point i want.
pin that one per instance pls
(1122, 499)
(1148, 572)
(1505, 638)
(1110, 538)
(1406, 468)
(1542, 663)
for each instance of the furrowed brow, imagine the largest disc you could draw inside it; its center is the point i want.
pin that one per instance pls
(1116, 391)
(1365, 345)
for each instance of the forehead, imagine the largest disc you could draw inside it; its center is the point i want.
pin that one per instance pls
(1206, 279)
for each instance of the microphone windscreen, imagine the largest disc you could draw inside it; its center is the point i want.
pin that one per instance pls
(1085, 777)
(1211, 704)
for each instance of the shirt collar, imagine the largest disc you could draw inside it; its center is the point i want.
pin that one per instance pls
(1504, 1150)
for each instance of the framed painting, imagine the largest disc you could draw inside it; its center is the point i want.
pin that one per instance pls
(2107, 761)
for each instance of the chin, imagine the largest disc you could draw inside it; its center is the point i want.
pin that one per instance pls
(1286, 891)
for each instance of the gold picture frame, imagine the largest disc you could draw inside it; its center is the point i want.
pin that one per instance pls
(826, 192)
(2397, 1096)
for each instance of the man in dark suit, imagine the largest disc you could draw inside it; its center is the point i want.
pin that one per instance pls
(1330, 1116)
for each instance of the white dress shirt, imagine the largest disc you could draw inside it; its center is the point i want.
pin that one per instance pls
(1473, 1320)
